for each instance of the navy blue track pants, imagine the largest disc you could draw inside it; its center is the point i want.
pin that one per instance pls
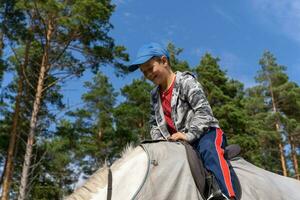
(211, 149)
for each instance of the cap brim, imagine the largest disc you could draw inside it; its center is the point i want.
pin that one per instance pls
(138, 62)
(132, 68)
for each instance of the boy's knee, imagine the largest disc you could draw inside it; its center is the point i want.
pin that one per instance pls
(207, 144)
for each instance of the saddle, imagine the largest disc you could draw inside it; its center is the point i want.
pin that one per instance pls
(208, 187)
(205, 181)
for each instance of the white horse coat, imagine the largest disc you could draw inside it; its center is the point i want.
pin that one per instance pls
(163, 173)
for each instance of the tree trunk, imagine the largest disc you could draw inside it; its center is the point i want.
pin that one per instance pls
(1, 53)
(1, 43)
(11, 148)
(294, 157)
(13, 135)
(282, 159)
(280, 145)
(281, 151)
(33, 122)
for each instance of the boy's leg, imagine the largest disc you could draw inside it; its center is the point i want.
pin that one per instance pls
(211, 148)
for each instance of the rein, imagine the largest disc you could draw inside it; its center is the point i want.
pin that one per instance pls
(109, 184)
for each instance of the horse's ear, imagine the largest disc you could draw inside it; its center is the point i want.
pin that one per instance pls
(232, 151)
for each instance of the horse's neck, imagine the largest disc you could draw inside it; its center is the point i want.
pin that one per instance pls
(127, 175)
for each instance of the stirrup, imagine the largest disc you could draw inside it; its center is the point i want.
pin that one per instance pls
(218, 195)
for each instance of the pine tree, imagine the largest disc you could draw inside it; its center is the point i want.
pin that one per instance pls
(226, 99)
(52, 100)
(81, 143)
(271, 77)
(100, 101)
(176, 64)
(262, 129)
(278, 99)
(10, 27)
(61, 32)
(93, 126)
(132, 115)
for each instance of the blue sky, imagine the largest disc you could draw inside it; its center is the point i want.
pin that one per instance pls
(238, 32)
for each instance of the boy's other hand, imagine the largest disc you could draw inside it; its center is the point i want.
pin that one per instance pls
(178, 136)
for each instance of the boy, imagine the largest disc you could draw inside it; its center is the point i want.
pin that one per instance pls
(180, 111)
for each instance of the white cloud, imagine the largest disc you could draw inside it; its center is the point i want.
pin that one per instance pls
(283, 16)
(246, 80)
(294, 71)
(236, 68)
(171, 29)
(118, 2)
(121, 2)
(197, 51)
(127, 14)
(229, 59)
(200, 51)
(224, 15)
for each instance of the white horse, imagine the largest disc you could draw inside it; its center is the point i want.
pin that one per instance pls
(162, 172)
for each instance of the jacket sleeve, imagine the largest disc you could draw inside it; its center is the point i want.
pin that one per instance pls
(154, 130)
(203, 117)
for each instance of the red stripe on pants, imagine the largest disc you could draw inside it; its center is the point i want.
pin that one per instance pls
(223, 162)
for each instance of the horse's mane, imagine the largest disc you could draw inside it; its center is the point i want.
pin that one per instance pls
(99, 178)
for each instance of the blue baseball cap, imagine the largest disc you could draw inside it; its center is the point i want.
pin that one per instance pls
(146, 52)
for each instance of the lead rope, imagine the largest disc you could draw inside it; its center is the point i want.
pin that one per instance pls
(109, 184)
(146, 175)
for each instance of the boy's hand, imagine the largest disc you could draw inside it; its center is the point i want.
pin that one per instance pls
(178, 136)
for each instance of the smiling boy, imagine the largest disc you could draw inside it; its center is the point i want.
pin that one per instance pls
(180, 111)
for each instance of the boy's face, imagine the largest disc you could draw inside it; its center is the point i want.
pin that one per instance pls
(155, 70)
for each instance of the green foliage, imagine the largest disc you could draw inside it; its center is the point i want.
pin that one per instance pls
(2, 70)
(176, 64)
(94, 122)
(5, 125)
(55, 179)
(226, 99)
(80, 143)
(132, 115)
(72, 36)
(274, 101)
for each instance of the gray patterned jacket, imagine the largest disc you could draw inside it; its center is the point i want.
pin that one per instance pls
(191, 112)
